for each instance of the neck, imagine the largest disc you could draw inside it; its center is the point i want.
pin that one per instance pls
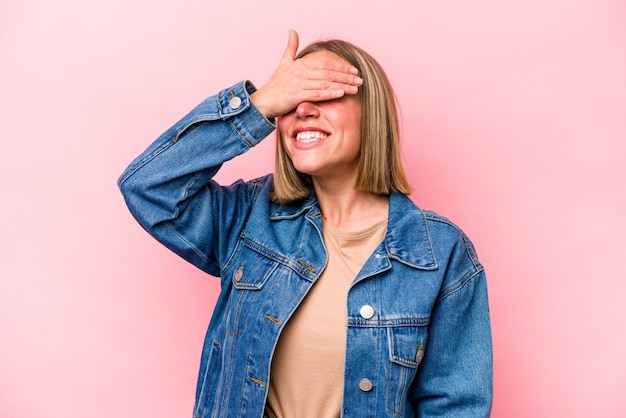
(348, 209)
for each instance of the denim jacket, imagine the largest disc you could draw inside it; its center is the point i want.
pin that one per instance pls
(418, 329)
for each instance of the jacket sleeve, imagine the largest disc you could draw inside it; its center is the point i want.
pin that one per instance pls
(168, 188)
(456, 375)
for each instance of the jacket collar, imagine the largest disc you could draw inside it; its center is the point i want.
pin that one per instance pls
(407, 239)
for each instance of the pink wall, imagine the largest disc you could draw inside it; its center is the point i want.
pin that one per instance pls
(514, 126)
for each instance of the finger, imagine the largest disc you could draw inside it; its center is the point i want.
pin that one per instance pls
(334, 76)
(323, 95)
(340, 66)
(315, 63)
(316, 87)
(292, 46)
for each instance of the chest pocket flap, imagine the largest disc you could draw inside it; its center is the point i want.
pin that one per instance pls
(407, 343)
(253, 270)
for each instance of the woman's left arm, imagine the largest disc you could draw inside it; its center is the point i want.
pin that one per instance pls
(456, 375)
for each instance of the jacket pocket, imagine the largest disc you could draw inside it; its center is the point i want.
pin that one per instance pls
(207, 386)
(253, 270)
(251, 273)
(406, 351)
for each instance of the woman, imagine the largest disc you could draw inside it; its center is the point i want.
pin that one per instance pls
(339, 296)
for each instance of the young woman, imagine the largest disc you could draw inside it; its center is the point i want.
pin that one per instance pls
(339, 297)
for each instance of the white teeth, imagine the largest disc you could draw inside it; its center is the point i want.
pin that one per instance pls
(310, 136)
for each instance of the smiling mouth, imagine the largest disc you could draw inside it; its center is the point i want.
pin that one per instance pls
(310, 136)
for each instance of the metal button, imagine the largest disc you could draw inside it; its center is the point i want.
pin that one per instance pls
(377, 256)
(235, 102)
(365, 385)
(239, 274)
(366, 311)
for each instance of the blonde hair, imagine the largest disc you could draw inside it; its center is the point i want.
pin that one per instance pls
(380, 169)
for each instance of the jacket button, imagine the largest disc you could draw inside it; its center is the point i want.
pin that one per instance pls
(238, 274)
(365, 385)
(234, 102)
(366, 311)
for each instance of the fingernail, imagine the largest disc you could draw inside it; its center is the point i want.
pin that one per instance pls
(358, 80)
(354, 71)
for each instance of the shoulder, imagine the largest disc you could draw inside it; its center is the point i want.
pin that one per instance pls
(262, 183)
(449, 243)
(405, 213)
(442, 227)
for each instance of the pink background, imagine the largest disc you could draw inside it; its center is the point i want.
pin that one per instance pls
(514, 123)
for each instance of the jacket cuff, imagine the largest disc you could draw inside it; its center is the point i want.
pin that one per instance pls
(236, 105)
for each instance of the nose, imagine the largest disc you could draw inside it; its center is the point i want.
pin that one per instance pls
(307, 110)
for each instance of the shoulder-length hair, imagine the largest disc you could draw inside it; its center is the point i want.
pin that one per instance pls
(380, 169)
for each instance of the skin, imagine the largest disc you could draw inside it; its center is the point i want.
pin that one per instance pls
(319, 93)
(334, 156)
(296, 81)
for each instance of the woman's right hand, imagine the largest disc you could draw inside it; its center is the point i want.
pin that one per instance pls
(304, 80)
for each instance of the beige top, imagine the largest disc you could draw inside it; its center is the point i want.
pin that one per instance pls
(306, 378)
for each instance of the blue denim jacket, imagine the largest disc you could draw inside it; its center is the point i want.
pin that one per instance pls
(425, 351)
